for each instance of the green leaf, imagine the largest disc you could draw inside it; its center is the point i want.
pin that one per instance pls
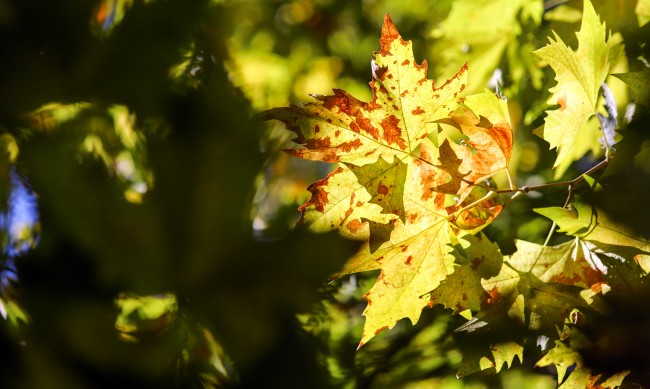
(461, 290)
(586, 140)
(477, 358)
(563, 358)
(579, 75)
(505, 353)
(615, 380)
(579, 379)
(540, 286)
(466, 38)
(385, 181)
(585, 222)
(643, 11)
(9, 146)
(639, 83)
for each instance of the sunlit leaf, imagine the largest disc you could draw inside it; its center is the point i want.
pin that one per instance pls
(496, 356)
(408, 163)
(584, 221)
(405, 105)
(505, 353)
(643, 11)
(579, 75)
(9, 146)
(479, 258)
(540, 285)
(615, 380)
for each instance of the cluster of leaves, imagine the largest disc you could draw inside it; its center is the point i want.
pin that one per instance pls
(402, 184)
(411, 184)
(161, 253)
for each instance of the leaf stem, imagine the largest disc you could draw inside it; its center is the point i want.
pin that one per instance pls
(550, 234)
(489, 195)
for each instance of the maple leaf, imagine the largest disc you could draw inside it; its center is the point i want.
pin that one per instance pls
(540, 285)
(586, 222)
(415, 255)
(341, 202)
(565, 356)
(462, 290)
(475, 360)
(566, 263)
(402, 183)
(403, 112)
(579, 75)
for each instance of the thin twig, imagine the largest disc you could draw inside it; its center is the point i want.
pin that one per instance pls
(571, 183)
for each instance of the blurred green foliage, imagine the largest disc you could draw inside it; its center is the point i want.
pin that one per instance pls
(165, 254)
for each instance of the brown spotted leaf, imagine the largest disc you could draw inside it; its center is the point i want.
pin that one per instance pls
(569, 263)
(385, 183)
(402, 182)
(477, 258)
(420, 251)
(341, 128)
(340, 202)
(411, 265)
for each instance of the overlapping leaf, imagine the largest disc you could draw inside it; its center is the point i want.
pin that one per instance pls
(498, 355)
(584, 221)
(402, 182)
(639, 83)
(572, 373)
(541, 285)
(579, 75)
(462, 290)
(414, 255)
(563, 358)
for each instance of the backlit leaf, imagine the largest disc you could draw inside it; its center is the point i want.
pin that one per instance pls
(584, 221)
(405, 105)
(409, 164)
(579, 75)
(476, 359)
(505, 353)
(463, 289)
(541, 285)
